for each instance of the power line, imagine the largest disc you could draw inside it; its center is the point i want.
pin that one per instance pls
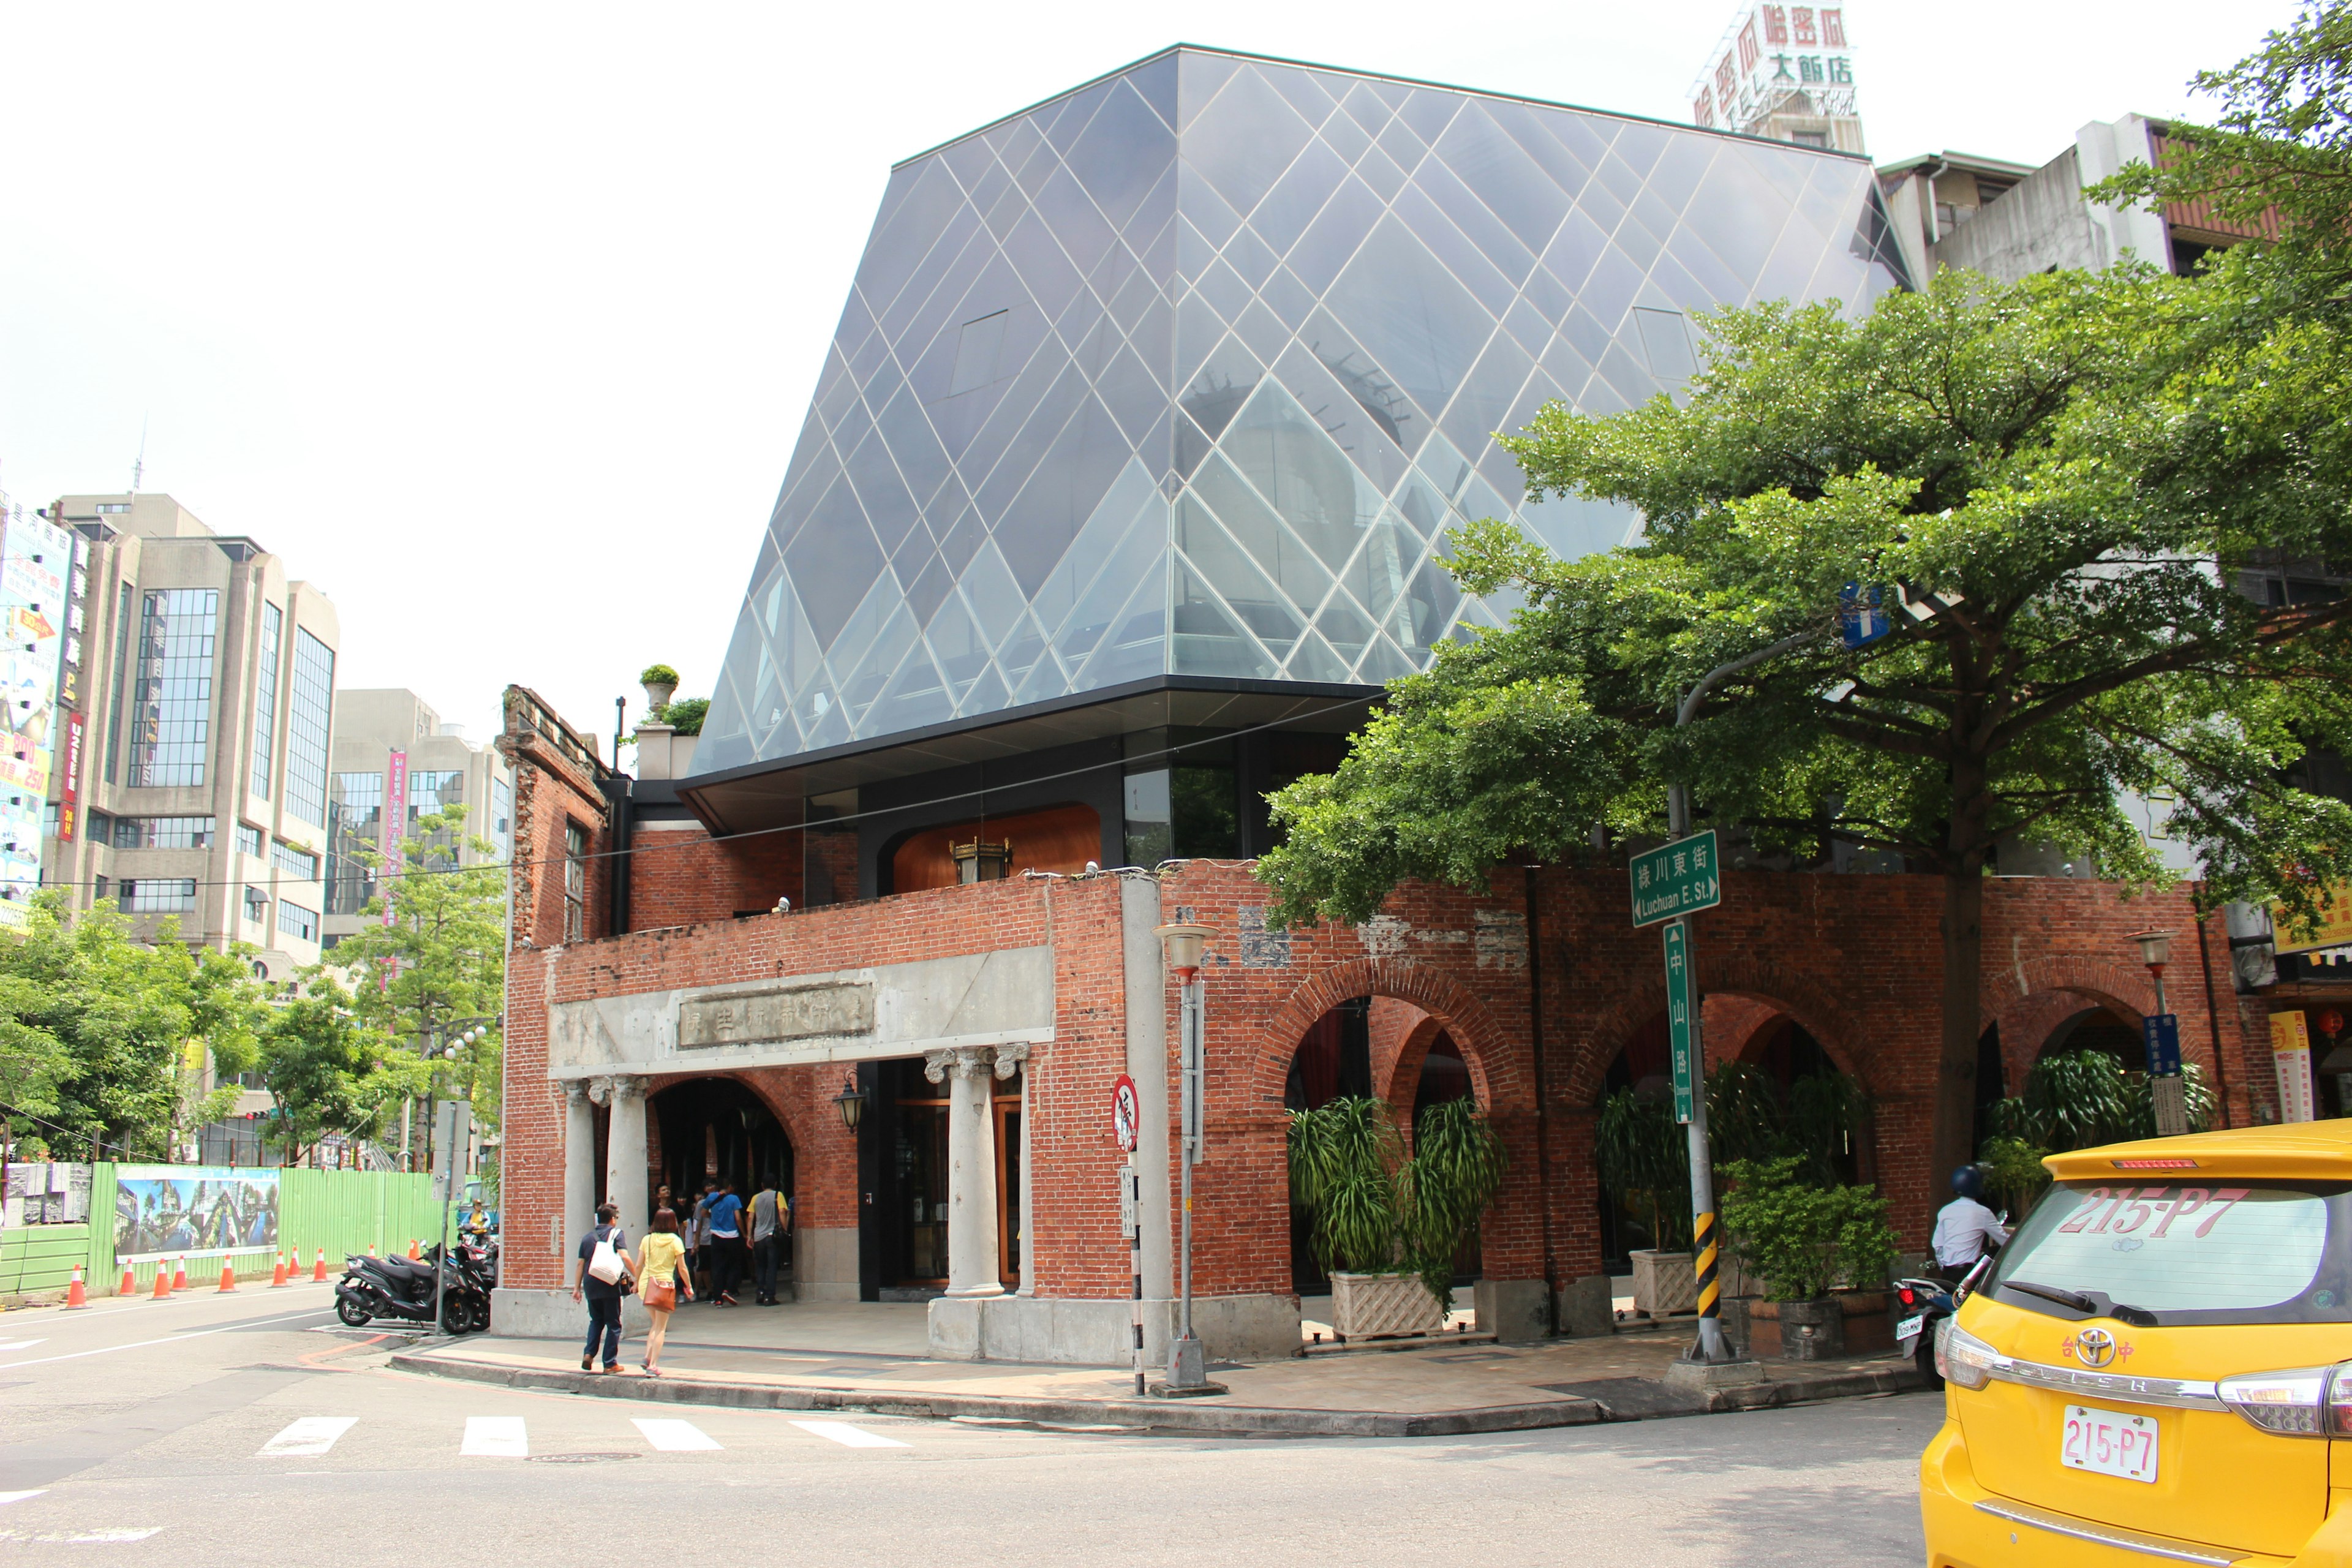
(830, 822)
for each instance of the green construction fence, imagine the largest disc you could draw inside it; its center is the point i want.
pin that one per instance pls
(338, 1212)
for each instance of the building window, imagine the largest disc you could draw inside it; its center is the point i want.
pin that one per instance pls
(575, 882)
(172, 710)
(294, 920)
(355, 813)
(98, 828)
(159, 895)
(295, 862)
(121, 670)
(164, 832)
(502, 814)
(309, 724)
(257, 905)
(105, 507)
(429, 791)
(265, 701)
(99, 889)
(250, 840)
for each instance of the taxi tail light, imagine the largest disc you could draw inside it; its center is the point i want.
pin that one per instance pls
(1961, 1358)
(2294, 1402)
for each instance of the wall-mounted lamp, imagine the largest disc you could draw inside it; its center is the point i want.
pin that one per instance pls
(852, 1102)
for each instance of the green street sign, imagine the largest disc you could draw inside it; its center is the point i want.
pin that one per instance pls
(1679, 1014)
(1678, 878)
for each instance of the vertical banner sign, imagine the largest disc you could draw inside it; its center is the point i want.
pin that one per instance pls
(35, 560)
(2291, 1055)
(394, 831)
(70, 798)
(2168, 1095)
(1678, 1019)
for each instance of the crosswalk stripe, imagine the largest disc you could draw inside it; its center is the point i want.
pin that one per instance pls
(20, 1344)
(849, 1436)
(7, 1497)
(495, 1437)
(310, 1436)
(675, 1437)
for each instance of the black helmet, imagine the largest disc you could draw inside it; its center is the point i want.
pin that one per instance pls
(1968, 1182)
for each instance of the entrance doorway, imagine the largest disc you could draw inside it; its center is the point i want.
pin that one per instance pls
(903, 1168)
(716, 1129)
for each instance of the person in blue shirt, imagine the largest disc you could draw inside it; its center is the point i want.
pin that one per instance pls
(726, 1246)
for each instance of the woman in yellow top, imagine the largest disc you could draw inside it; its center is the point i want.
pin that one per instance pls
(661, 1283)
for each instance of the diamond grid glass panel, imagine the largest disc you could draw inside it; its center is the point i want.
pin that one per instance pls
(1248, 330)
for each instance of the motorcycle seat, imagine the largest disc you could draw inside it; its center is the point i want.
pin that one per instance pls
(399, 1268)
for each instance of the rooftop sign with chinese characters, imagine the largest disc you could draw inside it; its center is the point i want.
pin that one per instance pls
(1769, 53)
(1677, 879)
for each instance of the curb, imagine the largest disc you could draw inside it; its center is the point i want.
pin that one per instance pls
(1147, 1416)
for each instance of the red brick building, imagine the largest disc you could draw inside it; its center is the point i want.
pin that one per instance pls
(694, 1035)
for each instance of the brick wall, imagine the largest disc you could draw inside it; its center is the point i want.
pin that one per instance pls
(679, 874)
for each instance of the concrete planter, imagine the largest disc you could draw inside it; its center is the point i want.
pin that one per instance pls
(1869, 1326)
(1663, 1283)
(1797, 1330)
(1371, 1306)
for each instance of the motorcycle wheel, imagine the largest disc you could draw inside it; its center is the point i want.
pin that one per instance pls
(478, 1316)
(353, 1314)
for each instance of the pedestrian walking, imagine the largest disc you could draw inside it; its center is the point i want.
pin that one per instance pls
(661, 1282)
(697, 1238)
(726, 1244)
(770, 1213)
(604, 1271)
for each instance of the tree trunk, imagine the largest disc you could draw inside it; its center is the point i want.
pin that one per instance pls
(1954, 1141)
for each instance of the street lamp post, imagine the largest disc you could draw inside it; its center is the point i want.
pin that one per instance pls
(2167, 1094)
(1187, 1367)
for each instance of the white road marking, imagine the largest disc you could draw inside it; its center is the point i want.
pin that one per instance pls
(675, 1437)
(310, 1436)
(849, 1436)
(7, 1497)
(20, 1344)
(166, 1340)
(495, 1437)
(86, 1537)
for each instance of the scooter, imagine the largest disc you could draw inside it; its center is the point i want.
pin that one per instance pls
(1920, 1306)
(399, 1289)
(465, 1291)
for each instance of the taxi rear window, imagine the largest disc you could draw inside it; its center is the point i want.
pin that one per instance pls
(2211, 1252)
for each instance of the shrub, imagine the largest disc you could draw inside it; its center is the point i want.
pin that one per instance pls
(686, 714)
(1374, 1209)
(1804, 1238)
(657, 675)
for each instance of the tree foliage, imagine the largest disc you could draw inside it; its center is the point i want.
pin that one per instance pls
(330, 1073)
(2087, 461)
(440, 963)
(98, 1031)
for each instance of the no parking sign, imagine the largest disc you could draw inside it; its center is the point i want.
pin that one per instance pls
(1126, 1112)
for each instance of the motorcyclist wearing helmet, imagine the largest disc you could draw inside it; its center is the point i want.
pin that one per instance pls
(1966, 1230)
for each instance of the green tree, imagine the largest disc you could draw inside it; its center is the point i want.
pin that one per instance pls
(2086, 462)
(114, 1028)
(441, 961)
(330, 1073)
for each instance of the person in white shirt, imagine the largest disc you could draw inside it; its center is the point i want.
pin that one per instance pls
(1966, 1230)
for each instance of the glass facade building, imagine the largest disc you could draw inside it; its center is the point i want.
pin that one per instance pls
(171, 715)
(1182, 378)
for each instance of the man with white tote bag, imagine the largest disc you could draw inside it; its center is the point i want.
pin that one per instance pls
(602, 1280)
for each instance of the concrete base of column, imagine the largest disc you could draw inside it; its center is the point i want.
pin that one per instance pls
(1512, 1310)
(1588, 1307)
(555, 1315)
(1096, 1333)
(825, 1264)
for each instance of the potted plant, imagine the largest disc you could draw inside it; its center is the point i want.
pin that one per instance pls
(660, 682)
(1644, 1157)
(1803, 1239)
(1387, 1228)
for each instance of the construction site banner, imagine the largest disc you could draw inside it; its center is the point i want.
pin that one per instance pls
(192, 1211)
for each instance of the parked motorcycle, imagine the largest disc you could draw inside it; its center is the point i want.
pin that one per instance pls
(1922, 1304)
(401, 1290)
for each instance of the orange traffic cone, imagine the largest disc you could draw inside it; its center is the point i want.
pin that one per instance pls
(277, 1274)
(228, 1277)
(319, 1269)
(75, 1295)
(413, 1254)
(162, 1282)
(129, 1286)
(180, 1274)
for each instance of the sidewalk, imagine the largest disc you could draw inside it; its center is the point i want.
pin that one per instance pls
(872, 1358)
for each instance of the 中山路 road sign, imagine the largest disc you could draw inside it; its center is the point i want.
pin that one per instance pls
(1677, 879)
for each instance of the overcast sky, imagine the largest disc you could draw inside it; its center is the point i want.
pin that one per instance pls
(497, 321)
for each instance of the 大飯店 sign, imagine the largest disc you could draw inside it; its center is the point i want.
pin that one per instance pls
(1677, 879)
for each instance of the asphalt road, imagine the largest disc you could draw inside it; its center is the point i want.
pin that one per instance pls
(251, 1429)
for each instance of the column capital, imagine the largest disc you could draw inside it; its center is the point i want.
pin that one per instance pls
(937, 1064)
(600, 1089)
(575, 1092)
(627, 1086)
(1010, 1056)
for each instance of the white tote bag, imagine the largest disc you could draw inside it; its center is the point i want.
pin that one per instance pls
(604, 1263)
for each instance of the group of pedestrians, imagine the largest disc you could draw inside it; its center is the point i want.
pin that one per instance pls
(708, 1244)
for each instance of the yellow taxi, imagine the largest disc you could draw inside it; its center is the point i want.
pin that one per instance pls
(2159, 1367)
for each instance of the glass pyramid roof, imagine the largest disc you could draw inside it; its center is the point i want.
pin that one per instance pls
(1188, 372)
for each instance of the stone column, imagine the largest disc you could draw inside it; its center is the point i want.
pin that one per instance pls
(625, 1160)
(579, 1165)
(971, 1168)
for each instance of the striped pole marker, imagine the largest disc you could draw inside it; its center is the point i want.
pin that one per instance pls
(1133, 1179)
(1704, 1259)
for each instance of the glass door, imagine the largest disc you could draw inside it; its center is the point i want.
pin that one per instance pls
(1008, 1188)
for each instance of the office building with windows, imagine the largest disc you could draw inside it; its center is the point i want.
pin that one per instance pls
(196, 700)
(392, 750)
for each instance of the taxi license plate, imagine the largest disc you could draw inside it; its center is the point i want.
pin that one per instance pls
(2109, 1442)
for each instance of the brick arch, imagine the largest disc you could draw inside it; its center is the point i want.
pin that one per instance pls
(1496, 1073)
(2055, 989)
(1814, 1008)
(1405, 1078)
